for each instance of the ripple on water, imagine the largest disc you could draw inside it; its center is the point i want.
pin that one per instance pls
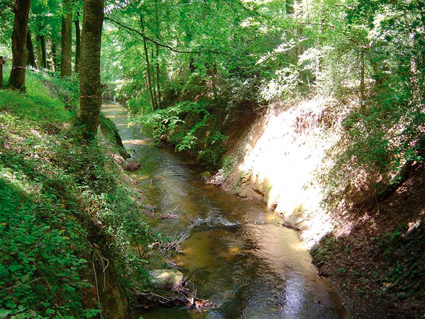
(237, 255)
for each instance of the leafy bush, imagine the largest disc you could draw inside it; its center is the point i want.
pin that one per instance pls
(170, 123)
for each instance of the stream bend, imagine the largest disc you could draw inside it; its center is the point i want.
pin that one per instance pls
(238, 256)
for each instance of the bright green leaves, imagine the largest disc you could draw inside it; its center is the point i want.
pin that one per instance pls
(33, 249)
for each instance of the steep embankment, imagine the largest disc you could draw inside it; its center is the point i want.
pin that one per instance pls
(279, 159)
(67, 215)
(371, 246)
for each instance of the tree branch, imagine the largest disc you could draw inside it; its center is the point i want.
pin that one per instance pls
(156, 42)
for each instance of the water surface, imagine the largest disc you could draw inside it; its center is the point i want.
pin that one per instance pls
(238, 256)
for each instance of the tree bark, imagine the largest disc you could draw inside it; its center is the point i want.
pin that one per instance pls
(30, 49)
(148, 67)
(91, 94)
(54, 57)
(38, 51)
(77, 42)
(19, 38)
(66, 68)
(43, 51)
(158, 84)
(362, 77)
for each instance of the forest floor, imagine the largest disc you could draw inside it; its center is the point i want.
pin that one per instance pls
(379, 266)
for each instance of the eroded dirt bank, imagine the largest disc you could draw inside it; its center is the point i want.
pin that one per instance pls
(371, 246)
(235, 252)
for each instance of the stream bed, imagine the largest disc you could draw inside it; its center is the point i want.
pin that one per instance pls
(238, 256)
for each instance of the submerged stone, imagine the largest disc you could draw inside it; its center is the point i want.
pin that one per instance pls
(132, 166)
(205, 175)
(166, 278)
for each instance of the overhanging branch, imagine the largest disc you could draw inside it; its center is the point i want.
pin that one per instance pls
(156, 42)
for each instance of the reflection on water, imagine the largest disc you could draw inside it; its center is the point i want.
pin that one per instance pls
(238, 255)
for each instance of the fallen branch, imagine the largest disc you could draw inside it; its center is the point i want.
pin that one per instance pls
(172, 246)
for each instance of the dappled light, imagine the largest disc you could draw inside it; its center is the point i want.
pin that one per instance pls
(212, 159)
(281, 159)
(135, 142)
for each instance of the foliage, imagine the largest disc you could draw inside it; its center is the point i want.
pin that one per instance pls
(54, 190)
(168, 122)
(212, 153)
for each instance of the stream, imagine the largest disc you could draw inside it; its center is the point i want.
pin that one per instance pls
(238, 255)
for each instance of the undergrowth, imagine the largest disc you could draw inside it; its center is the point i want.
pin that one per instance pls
(58, 196)
(191, 127)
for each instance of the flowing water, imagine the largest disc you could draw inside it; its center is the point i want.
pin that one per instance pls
(238, 256)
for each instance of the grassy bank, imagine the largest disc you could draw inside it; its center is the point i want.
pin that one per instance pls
(68, 219)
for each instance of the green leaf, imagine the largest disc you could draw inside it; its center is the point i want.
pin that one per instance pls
(69, 288)
(25, 278)
(4, 313)
(14, 267)
(49, 311)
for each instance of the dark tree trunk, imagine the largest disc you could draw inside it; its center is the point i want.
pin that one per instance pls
(19, 38)
(77, 42)
(30, 49)
(38, 51)
(43, 51)
(91, 94)
(66, 68)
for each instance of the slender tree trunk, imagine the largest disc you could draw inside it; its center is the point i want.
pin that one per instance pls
(54, 56)
(30, 49)
(49, 55)
(19, 37)
(362, 80)
(66, 68)
(148, 67)
(155, 96)
(43, 51)
(38, 51)
(91, 94)
(158, 84)
(77, 42)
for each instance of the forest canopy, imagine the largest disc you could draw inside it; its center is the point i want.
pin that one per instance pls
(187, 71)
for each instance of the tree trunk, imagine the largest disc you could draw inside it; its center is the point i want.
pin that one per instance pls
(30, 49)
(362, 78)
(38, 51)
(158, 85)
(19, 37)
(54, 57)
(148, 67)
(49, 55)
(66, 68)
(91, 94)
(43, 51)
(77, 42)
